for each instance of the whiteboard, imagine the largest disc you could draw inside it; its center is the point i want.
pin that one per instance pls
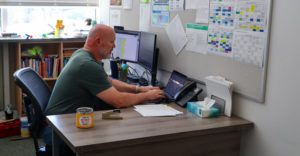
(248, 80)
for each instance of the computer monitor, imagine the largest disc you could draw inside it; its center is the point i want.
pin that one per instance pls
(127, 45)
(147, 50)
(148, 54)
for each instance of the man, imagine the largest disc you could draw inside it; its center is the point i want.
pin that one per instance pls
(83, 81)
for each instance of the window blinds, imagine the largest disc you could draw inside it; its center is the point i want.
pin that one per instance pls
(93, 3)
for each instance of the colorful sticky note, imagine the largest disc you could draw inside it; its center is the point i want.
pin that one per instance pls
(243, 27)
(252, 8)
(247, 10)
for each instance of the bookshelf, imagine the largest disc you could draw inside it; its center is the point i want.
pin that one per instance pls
(48, 65)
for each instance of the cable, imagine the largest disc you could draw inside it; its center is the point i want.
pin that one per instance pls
(129, 67)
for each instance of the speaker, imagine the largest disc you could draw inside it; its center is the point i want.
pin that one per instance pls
(114, 69)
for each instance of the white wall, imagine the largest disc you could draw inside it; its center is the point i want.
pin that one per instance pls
(277, 125)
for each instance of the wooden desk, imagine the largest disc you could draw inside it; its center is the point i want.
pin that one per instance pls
(185, 134)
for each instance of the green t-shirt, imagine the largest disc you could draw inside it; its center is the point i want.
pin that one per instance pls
(78, 84)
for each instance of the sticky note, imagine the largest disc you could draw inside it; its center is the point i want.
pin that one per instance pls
(247, 10)
(243, 27)
(252, 8)
(145, 1)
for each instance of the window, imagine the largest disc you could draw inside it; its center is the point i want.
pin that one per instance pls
(40, 20)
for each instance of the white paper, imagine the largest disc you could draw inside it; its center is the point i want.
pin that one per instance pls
(127, 4)
(176, 34)
(156, 110)
(114, 18)
(222, 13)
(196, 4)
(251, 16)
(176, 5)
(248, 48)
(197, 38)
(145, 15)
(202, 15)
(220, 41)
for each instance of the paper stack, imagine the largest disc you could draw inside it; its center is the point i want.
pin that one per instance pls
(156, 110)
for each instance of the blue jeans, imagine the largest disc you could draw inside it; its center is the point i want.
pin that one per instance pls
(46, 134)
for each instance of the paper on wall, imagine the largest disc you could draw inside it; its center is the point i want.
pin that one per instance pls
(127, 4)
(114, 18)
(196, 4)
(176, 34)
(202, 15)
(197, 38)
(176, 5)
(160, 13)
(145, 14)
(248, 48)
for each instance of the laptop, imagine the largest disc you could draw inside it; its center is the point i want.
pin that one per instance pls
(175, 83)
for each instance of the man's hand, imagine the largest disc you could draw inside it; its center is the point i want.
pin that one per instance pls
(143, 89)
(154, 94)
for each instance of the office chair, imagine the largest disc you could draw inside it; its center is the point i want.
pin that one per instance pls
(37, 96)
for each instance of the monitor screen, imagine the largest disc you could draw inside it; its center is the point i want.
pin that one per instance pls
(147, 51)
(127, 45)
(175, 83)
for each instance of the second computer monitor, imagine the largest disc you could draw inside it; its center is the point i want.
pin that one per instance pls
(127, 45)
(147, 53)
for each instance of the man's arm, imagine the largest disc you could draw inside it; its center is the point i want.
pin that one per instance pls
(123, 99)
(124, 87)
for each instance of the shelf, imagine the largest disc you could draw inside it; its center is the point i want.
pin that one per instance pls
(60, 49)
(50, 79)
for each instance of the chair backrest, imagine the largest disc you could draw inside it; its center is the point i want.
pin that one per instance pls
(34, 86)
(36, 89)
(38, 94)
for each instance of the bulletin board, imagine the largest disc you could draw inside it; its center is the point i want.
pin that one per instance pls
(248, 75)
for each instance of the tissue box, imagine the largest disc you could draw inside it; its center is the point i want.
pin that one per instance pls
(201, 111)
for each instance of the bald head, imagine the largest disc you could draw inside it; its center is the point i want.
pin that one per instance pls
(100, 30)
(100, 41)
